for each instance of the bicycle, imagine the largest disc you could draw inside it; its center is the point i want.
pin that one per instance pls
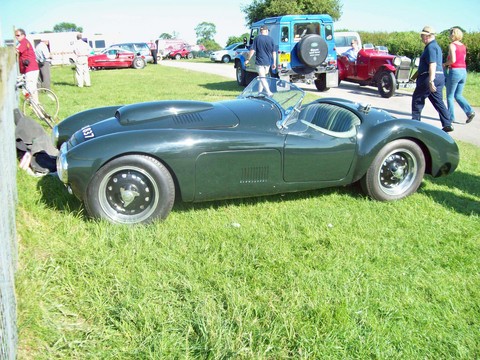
(46, 106)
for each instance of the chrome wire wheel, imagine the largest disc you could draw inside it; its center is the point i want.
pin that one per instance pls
(398, 172)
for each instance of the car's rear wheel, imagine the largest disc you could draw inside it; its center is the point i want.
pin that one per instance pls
(131, 189)
(138, 63)
(386, 84)
(226, 59)
(396, 172)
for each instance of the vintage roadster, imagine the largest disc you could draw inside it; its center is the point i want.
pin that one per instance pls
(128, 163)
(376, 67)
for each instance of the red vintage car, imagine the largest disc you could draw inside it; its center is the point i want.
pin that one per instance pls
(114, 57)
(376, 67)
(180, 53)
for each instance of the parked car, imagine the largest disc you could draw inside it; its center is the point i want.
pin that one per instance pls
(226, 55)
(128, 163)
(114, 57)
(306, 50)
(139, 48)
(377, 68)
(183, 53)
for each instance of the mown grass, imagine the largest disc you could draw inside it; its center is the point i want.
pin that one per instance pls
(310, 275)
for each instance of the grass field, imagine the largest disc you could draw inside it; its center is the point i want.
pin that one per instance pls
(323, 274)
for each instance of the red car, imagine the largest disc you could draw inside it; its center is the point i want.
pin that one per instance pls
(116, 58)
(180, 53)
(375, 67)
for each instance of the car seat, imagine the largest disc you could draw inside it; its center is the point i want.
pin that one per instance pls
(330, 119)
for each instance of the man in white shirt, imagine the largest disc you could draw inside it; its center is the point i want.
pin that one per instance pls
(81, 50)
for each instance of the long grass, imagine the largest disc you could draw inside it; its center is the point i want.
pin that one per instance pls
(323, 274)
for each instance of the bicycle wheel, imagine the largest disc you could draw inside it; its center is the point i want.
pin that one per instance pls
(46, 108)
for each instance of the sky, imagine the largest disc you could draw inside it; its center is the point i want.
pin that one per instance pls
(145, 20)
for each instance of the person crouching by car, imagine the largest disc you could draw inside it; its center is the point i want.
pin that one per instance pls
(27, 62)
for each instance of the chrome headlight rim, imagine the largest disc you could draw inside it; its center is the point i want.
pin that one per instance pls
(62, 164)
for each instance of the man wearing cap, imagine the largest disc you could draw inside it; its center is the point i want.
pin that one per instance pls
(430, 80)
(265, 57)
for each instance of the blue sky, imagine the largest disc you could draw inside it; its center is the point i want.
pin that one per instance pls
(142, 20)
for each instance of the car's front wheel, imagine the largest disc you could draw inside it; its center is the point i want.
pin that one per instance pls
(138, 63)
(226, 59)
(178, 57)
(396, 172)
(386, 84)
(241, 76)
(131, 189)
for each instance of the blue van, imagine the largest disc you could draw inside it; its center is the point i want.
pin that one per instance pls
(305, 48)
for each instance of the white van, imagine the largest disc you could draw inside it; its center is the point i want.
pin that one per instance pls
(343, 40)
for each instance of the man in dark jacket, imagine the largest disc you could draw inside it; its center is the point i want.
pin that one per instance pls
(430, 80)
(264, 48)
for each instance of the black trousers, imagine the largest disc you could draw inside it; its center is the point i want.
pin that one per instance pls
(422, 91)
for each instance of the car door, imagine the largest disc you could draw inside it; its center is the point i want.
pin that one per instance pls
(311, 155)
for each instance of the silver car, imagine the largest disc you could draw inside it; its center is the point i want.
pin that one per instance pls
(226, 55)
(138, 48)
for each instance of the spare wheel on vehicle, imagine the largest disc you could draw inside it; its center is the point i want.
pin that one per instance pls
(312, 50)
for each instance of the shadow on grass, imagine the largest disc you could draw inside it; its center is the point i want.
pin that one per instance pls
(56, 196)
(224, 86)
(464, 182)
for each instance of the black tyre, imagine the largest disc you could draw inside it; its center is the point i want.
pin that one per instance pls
(139, 63)
(131, 189)
(396, 172)
(386, 84)
(312, 50)
(178, 57)
(321, 82)
(240, 74)
(189, 56)
(226, 59)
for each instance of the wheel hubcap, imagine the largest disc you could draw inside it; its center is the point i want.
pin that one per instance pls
(398, 172)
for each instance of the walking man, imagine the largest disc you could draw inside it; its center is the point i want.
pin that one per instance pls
(265, 57)
(430, 80)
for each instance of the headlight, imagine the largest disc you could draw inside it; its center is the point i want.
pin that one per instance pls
(397, 61)
(62, 165)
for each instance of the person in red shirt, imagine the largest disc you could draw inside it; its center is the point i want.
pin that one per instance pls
(27, 62)
(457, 75)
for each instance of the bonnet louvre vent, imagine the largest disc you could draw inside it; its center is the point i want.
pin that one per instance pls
(185, 119)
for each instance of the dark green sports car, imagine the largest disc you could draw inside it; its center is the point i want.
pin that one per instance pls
(128, 163)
